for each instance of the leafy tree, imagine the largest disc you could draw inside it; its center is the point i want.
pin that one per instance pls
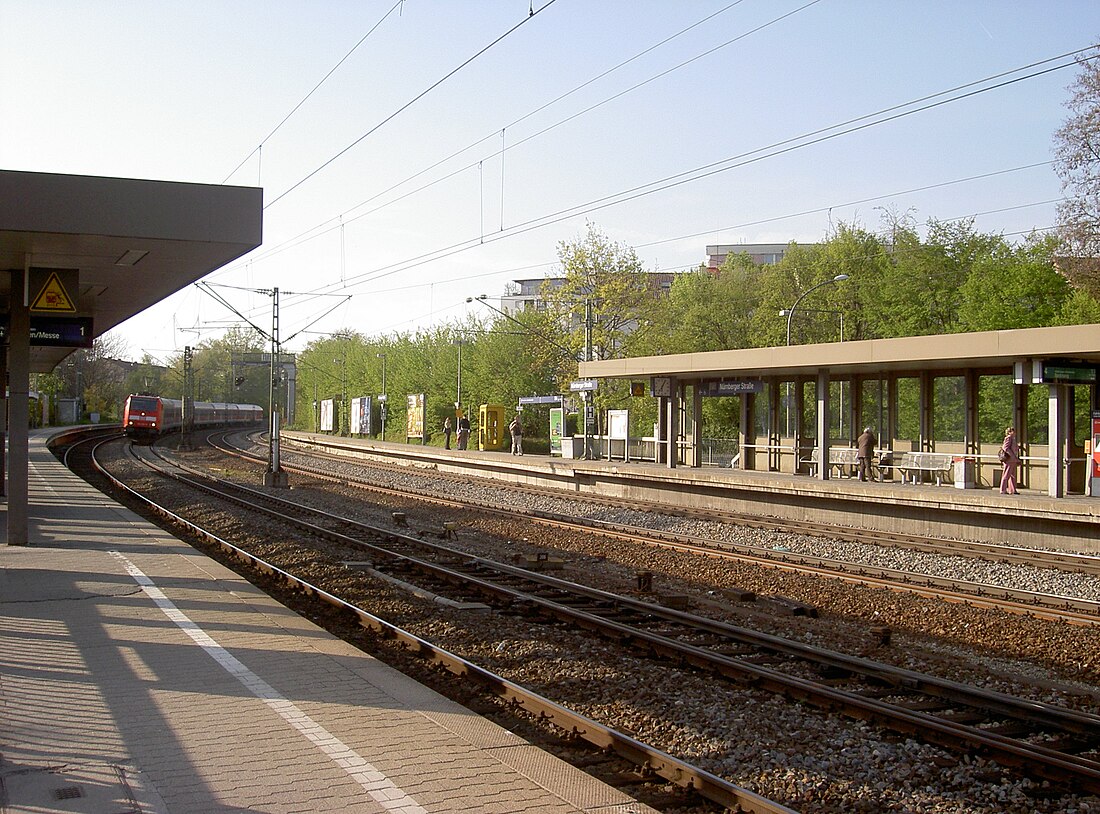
(1013, 288)
(1077, 162)
(920, 291)
(708, 310)
(607, 279)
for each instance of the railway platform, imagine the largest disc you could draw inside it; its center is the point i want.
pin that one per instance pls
(138, 675)
(1030, 518)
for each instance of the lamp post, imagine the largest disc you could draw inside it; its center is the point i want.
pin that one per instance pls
(382, 398)
(458, 399)
(789, 312)
(343, 362)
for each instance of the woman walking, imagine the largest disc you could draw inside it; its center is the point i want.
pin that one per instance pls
(1010, 457)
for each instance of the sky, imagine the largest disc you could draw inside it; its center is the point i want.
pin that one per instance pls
(414, 154)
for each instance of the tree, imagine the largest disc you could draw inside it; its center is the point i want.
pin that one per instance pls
(1077, 162)
(1013, 288)
(707, 310)
(604, 295)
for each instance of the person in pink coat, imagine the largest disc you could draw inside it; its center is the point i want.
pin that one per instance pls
(1010, 456)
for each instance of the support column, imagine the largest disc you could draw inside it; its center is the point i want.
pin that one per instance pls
(696, 425)
(661, 441)
(971, 433)
(1056, 441)
(673, 424)
(799, 421)
(746, 441)
(855, 410)
(19, 363)
(891, 430)
(927, 397)
(823, 422)
(1023, 437)
(775, 434)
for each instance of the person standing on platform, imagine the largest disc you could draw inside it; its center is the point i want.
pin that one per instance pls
(864, 453)
(516, 429)
(447, 433)
(463, 432)
(1009, 455)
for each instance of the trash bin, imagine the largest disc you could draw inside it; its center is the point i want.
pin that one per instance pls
(964, 472)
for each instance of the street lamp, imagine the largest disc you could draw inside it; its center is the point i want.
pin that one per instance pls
(482, 297)
(836, 311)
(343, 362)
(382, 398)
(458, 399)
(790, 311)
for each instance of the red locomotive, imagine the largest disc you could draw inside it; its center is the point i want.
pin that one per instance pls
(149, 417)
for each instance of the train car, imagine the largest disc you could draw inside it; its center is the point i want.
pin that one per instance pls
(148, 417)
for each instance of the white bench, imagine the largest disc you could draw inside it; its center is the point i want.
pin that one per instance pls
(913, 466)
(843, 459)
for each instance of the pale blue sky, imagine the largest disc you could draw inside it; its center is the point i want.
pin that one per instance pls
(188, 91)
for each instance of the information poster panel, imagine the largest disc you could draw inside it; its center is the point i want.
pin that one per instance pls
(557, 429)
(618, 430)
(361, 416)
(1094, 464)
(414, 416)
(326, 415)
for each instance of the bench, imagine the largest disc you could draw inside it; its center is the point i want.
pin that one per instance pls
(913, 465)
(843, 459)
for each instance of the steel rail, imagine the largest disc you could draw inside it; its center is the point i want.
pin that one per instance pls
(1043, 761)
(652, 762)
(1010, 600)
(990, 552)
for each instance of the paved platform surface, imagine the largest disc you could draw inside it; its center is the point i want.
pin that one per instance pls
(1029, 518)
(137, 675)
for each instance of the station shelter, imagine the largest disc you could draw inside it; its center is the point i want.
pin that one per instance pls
(81, 254)
(788, 384)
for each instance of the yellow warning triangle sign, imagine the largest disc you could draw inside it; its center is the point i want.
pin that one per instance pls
(53, 297)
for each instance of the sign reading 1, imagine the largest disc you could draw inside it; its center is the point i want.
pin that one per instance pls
(57, 332)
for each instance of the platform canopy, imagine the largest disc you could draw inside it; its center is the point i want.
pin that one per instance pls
(123, 244)
(89, 252)
(982, 351)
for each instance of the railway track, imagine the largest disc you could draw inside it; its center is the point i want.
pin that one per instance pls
(651, 764)
(989, 552)
(1064, 608)
(1049, 741)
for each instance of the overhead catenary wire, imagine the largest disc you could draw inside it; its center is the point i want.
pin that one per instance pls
(323, 228)
(782, 147)
(411, 102)
(286, 118)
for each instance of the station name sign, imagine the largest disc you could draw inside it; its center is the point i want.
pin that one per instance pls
(1056, 371)
(731, 388)
(584, 385)
(55, 332)
(540, 399)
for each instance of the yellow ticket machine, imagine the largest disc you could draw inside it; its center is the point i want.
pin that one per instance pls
(490, 426)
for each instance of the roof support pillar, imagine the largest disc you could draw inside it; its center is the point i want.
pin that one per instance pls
(799, 422)
(673, 424)
(972, 441)
(1023, 437)
(746, 441)
(823, 422)
(890, 429)
(1060, 418)
(774, 433)
(19, 362)
(855, 411)
(927, 398)
(696, 450)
